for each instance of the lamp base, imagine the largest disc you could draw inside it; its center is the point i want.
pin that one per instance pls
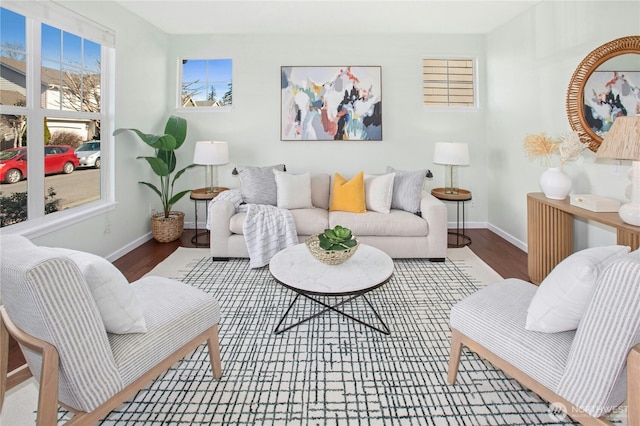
(630, 213)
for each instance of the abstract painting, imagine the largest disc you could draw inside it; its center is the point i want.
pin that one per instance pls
(608, 95)
(331, 103)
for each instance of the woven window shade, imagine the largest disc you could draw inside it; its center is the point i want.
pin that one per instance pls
(448, 82)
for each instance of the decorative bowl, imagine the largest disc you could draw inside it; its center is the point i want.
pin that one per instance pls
(330, 257)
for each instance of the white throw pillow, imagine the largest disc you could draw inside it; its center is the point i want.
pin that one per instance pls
(378, 192)
(293, 191)
(563, 296)
(111, 291)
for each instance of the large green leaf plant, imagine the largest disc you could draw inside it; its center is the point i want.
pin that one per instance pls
(163, 163)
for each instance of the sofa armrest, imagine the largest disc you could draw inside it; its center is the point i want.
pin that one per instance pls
(434, 211)
(220, 213)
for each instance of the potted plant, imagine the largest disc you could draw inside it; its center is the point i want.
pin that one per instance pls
(168, 225)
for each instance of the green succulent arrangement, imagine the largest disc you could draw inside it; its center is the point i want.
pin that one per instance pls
(338, 238)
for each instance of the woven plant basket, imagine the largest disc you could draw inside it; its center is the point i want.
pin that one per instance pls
(169, 229)
(330, 257)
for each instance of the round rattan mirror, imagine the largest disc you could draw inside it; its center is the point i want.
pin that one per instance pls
(604, 85)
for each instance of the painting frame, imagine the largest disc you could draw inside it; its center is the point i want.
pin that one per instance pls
(331, 103)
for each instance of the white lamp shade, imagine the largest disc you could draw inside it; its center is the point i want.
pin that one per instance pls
(211, 153)
(452, 153)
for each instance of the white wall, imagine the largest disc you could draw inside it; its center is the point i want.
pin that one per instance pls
(530, 61)
(252, 128)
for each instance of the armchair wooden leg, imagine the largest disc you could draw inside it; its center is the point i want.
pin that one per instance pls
(4, 361)
(633, 386)
(454, 355)
(213, 343)
(48, 392)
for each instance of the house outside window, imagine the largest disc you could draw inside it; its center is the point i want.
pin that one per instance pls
(449, 83)
(54, 92)
(205, 84)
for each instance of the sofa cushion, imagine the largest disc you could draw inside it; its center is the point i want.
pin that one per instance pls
(321, 190)
(348, 195)
(118, 306)
(258, 184)
(564, 294)
(378, 192)
(293, 191)
(407, 187)
(396, 223)
(310, 221)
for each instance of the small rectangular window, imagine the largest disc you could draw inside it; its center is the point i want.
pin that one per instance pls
(448, 83)
(206, 83)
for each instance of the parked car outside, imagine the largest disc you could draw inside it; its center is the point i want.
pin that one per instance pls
(57, 159)
(89, 154)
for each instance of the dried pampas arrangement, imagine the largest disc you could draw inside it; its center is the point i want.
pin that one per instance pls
(542, 146)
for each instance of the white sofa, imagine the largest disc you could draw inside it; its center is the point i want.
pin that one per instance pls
(401, 234)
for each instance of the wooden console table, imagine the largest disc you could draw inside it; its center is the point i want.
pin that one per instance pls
(550, 232)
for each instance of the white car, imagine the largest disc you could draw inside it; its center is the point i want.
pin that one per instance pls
(89, 154)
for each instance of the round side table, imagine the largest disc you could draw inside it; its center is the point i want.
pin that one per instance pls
(205, 195)
(460, 197)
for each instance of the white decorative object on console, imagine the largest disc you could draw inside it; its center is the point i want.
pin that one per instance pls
(622, 142)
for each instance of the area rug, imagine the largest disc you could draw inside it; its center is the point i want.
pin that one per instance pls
(331, 370)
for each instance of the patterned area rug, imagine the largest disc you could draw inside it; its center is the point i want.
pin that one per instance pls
(332, 370)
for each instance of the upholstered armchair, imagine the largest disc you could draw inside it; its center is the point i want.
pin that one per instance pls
(574, 340)
(90, 339)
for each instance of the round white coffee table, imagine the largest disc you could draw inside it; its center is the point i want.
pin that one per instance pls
(296, 269)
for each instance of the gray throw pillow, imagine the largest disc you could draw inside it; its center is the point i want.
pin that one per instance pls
(258, 184)
(407, 187)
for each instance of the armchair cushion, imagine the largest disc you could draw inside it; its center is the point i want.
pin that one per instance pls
(175, 314)
(563, 296)
(494, 317)
(117, 303)
(595, 377)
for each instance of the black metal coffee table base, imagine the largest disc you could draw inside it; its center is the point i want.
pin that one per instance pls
(384, 329)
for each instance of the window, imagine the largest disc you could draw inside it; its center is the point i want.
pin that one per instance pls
(449, 83)
(49, 107)
(205, 83)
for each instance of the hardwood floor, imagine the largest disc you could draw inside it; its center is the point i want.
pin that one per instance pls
(506, 259)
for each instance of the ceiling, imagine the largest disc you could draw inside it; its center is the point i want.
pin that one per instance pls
(327, 16)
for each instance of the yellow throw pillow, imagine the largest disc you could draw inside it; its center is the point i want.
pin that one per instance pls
(348, 195)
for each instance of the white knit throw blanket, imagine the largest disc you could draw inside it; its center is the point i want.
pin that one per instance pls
(267, 230)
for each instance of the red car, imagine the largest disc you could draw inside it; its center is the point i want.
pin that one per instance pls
(57, 159)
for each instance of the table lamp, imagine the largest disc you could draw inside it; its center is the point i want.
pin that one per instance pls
(622, 142)
(451, 154)
(211, 154)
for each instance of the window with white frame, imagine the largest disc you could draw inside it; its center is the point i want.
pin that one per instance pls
(205, 83)
(449, 83)
(55, 89)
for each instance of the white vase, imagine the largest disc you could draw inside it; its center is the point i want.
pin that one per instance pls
(555, 183)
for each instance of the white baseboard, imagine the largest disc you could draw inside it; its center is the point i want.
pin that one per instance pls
(132, 245)
(510, 238)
